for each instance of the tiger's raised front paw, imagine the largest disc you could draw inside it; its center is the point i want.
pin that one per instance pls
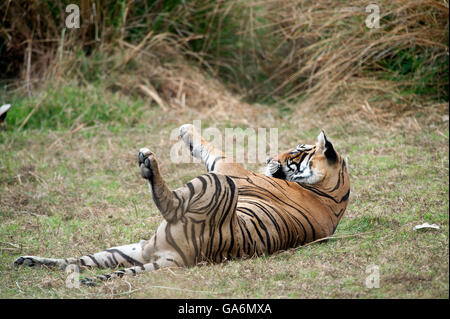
(192, 139)
(187, 132)
(147, 163)
(189, 135)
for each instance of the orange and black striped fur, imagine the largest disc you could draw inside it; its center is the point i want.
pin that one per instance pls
(230, 212)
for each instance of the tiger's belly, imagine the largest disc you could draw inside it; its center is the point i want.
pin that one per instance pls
(265, 226)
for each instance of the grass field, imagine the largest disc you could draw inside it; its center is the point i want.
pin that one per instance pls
(70, 185)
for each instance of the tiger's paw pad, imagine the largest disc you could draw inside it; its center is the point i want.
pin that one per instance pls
(146, 162)
(26, 261)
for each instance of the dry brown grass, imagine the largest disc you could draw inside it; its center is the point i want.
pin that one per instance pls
(267, 51)
(329, 48)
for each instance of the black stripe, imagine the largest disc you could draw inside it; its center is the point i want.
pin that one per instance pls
(265, 191)
(129, 259)
(111, 261)
(194, 240)
(215, 161)
(191, 190)
(346, 196)
(172, 242)
(95, 261)
(174, 261)
(263, 226)
(257, 231)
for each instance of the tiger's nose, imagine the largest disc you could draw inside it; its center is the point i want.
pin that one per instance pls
(268, 160)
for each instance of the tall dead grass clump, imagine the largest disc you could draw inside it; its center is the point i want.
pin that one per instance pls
(325, 47)
(156, 49)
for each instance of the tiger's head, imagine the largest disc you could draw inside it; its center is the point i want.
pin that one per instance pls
(307, 164)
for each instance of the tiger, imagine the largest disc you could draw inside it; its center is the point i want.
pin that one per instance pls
(229, 212)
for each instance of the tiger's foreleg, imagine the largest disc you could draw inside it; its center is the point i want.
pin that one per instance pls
(214, 159)
(200, 148)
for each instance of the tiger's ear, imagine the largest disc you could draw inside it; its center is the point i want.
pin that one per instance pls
(325, 147)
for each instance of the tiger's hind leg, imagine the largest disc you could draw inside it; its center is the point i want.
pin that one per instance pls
(214, 159)
(129, 256)
(167, 201)
(175, 204)
(121, 256)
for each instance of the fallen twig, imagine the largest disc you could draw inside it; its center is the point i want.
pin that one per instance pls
(333, 237)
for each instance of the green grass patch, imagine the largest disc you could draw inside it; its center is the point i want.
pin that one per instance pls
(68, 106)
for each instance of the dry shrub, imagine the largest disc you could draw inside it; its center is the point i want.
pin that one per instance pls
(326, 47)
(137, 47)
(154, 71)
